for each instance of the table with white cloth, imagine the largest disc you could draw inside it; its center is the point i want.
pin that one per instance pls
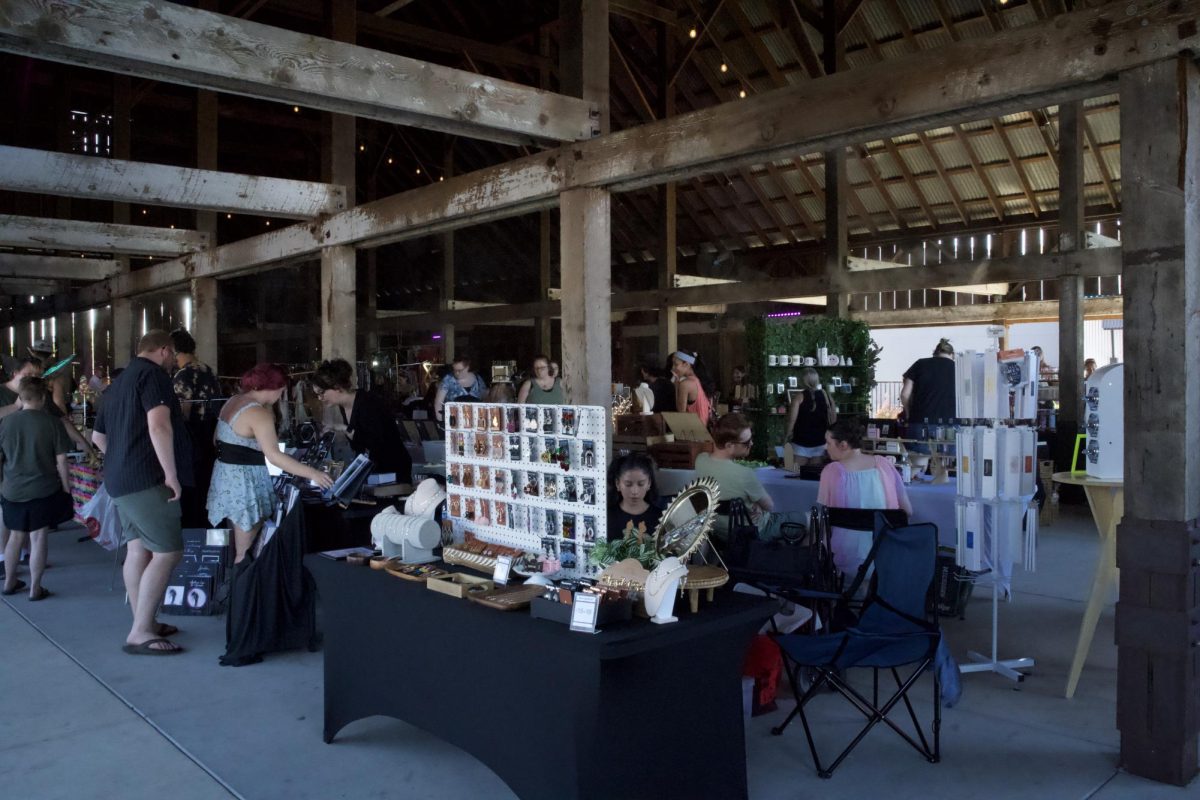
(931, 502)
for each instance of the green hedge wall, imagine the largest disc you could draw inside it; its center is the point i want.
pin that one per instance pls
(802, 336)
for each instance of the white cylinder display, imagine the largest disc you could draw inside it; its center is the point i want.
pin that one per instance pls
(413, 538)
(1104, 421)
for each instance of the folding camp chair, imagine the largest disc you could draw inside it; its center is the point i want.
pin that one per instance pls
(897, 627)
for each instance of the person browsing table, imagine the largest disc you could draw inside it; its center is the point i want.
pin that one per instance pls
(241, 490)
(369, 424)
(461, 382)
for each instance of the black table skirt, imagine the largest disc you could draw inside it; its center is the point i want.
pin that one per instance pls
(333, 527)
(637, 711)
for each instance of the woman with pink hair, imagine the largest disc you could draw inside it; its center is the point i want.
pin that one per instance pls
(241, 489)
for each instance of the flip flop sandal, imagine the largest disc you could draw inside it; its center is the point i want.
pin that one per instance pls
(164, 629)
(42, 594)
(147, 648)
(16, 588)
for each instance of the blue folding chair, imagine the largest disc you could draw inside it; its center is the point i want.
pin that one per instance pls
(897, 627)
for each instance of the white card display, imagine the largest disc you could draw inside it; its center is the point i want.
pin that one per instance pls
(530, 477)
(585, 611)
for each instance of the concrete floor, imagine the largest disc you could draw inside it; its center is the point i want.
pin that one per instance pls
(80, 719)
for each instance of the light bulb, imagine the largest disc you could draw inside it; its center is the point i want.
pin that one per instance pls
(741, 93)
(692, 33)
(724, 67)
(296, 109)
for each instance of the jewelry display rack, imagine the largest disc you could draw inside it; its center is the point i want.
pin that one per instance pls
(530, 477)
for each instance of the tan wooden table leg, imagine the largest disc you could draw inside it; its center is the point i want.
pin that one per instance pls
(1108, 506)
(694, 599)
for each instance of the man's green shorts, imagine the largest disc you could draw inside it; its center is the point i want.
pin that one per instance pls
(150, 515)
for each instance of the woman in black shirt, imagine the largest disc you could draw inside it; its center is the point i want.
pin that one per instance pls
(371, 426)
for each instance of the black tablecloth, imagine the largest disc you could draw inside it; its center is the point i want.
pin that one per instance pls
(333, 527)
(637, 711)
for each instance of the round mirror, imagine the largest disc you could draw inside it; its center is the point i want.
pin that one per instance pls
(686, 522)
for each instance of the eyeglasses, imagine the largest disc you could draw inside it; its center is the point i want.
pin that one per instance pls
(746, 442)
(319, 392)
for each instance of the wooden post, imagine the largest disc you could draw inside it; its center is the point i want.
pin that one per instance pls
(1070, 306)
(667, 255)
(836, 184)
(1157, 682)
(338, 263)
(122, 307)
(449, 338)
(585, 255)
(543, 335)
(338, 303)
(204, 290)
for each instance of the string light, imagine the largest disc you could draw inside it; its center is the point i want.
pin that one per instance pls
(441, 178)
(692, 33)
(268, 223)
(742, 93)
(144, 211)
(362, 148)
(418, 170)
(229, 216)
(296, 109)
(389, 159)
(724, 67)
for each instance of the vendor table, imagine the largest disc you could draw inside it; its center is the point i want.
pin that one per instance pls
(1107, 501)
(931, 502)
(333, 527)
(636, 711)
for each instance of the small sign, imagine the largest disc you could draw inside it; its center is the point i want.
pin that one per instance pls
(503, 568)
(585, 610)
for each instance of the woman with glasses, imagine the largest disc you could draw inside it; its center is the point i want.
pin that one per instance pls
(370, 425)
(733, 438)
(543, 386)
(460, 383)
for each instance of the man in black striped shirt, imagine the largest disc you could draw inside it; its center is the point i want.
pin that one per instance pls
(147, 460)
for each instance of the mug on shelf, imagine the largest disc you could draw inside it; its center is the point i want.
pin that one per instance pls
(772, 361)
(785, 361)
(797, 361)
(809, 361)
(779, 389)
(793, 382)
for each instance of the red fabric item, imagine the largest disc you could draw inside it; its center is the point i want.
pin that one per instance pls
(764, 663)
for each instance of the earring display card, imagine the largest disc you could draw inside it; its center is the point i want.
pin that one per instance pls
(528, 477)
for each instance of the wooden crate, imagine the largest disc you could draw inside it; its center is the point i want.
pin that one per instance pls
(640, 425)
(679, 455)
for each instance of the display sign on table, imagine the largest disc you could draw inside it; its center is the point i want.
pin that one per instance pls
(530, 477)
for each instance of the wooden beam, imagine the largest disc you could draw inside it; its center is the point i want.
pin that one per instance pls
(97, 237)
(1009, 71)
(982, 313)
(170, 42)
(90, 177)
(14, 265)
(444, 42)
(643, 9)
(1102, 262)
(30, 286)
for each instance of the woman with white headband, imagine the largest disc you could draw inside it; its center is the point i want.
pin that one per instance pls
(692, 385)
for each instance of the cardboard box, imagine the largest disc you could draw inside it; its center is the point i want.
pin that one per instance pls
(686, 427)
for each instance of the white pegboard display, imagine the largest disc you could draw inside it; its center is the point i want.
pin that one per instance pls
(530, 477)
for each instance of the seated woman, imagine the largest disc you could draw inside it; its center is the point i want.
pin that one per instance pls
(543, 386)
(370, 425)
(241, 489)
(633, 506)
(856, 480)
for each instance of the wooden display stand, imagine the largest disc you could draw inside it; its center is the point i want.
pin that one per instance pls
(690, 439)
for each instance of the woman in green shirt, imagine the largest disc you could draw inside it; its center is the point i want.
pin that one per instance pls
(543, 388)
